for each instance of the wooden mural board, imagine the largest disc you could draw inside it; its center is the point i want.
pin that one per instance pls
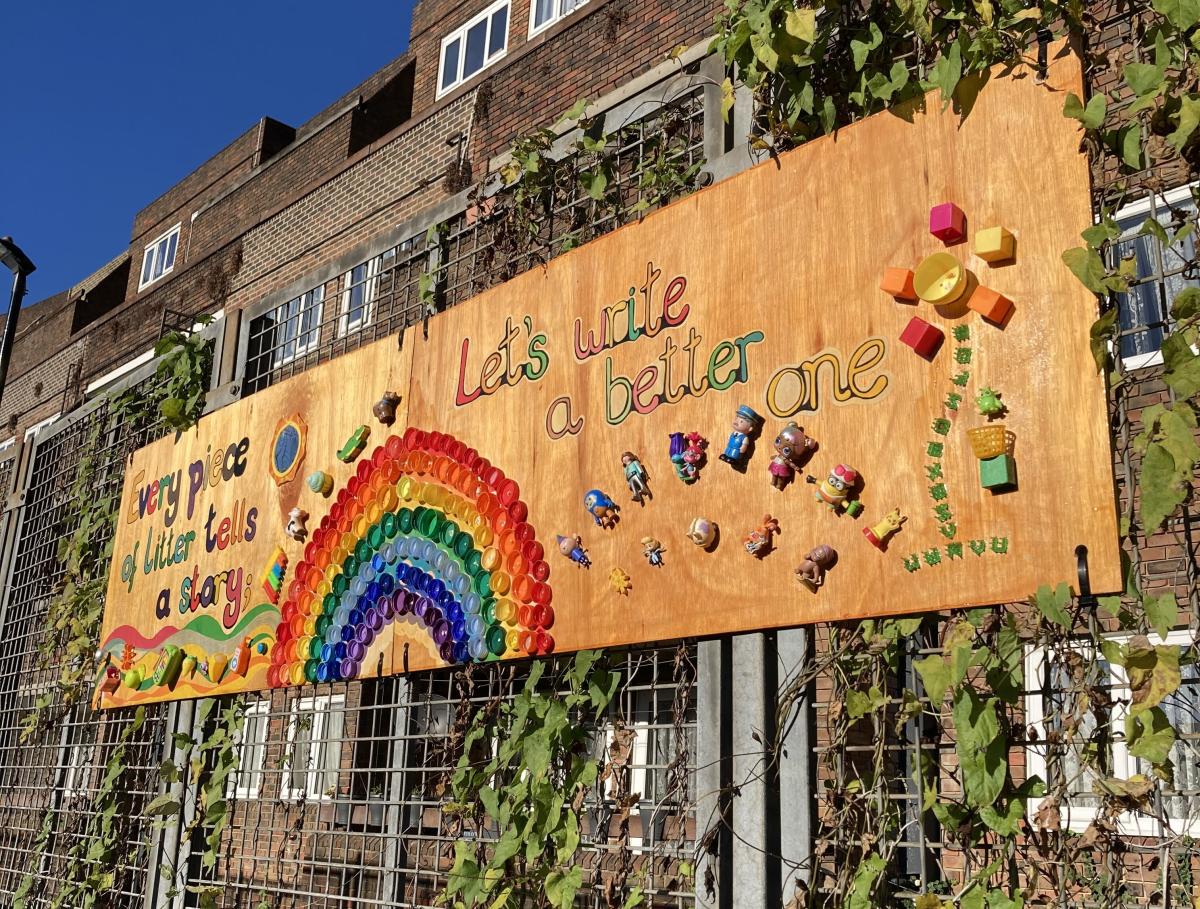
(762, 290)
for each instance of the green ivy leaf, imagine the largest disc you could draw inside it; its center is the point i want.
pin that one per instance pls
(947, 71)
(1162, 611)
(1053, 604)
(1149, 735)
(935, 676)
(1091, 116)
(1189, 118)
(1144, 78)
(801, 24)
(1088, 267)
(1182, 14)
(1161, 487)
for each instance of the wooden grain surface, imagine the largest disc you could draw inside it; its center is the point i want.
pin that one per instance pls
(782, 266)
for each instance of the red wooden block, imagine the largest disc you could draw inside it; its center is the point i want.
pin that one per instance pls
(922, 337)
(948, 223)
(898, 283)
(990, 304)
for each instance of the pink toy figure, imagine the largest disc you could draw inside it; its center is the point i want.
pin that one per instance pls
(758, 541)
(792, 448)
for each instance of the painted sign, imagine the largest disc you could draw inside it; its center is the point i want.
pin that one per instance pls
(851, 382)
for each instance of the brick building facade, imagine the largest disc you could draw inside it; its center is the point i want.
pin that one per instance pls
(309, 240)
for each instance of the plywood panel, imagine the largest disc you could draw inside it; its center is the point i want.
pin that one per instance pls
(761, 291)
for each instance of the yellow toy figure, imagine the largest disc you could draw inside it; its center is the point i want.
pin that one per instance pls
(835, 489)
(877, 535)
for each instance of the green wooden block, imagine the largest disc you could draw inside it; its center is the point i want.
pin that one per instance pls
(997, 472)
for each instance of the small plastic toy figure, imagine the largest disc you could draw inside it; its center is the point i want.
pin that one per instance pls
(652, 549)
(602, 509)
(792, 448)
(989, 403)
(619, 581)
(355, 444)
(385, 408)
(836, 488)
(878, 535)
(687, 455)
(112, 680)
(635, 476)
(745, 424)
(572, 548)
(758, 541)
(811, 572)
(320, 482)
(702, 532)
(295, 525)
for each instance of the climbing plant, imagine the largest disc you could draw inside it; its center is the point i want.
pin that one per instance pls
(518, 789)
(67, 650)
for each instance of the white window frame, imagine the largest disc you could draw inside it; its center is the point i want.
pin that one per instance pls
(1140, 209)
(557, 16)
(150, 251)
(460, 34)
(40, 425)
(369, 285)
(247, 782)
(304, 341)
(1077, 818)
(321, 709)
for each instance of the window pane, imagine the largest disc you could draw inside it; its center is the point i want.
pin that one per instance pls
(569, 6)
(172, 242)
(473, 58)
(450, 64)
(147, 263)
(499, 34)
(543, 12)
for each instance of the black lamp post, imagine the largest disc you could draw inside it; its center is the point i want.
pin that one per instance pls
(20, 265)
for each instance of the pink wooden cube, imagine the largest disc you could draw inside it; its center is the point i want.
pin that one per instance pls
(948, 223)
(922, 337)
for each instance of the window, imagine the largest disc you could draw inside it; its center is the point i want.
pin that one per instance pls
(159, 257)
(362, 291)
(314, 748)
(246, 783)
(1049, 687)
(474, 46)
(299, 325)
(544, 13)
(1144, 312)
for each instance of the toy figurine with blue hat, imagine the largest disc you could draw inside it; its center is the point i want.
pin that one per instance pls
(602, 509)
(745, 424)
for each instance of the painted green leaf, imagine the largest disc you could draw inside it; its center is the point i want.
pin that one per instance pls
(1091, 116)
(1161, 487)
(1162, 611)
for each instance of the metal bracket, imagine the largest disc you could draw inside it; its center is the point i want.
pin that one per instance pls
(1081, 572)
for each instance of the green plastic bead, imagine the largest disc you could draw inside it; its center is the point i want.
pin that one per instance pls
(375, 536)
(483, 584)
(310, 670)
(362, 552)
(340, 585)
(314, 648)
(404, 519)
(329, 604)
(448, 533)
(495, 640)
(487, 610)
(463, 544)
(390, 525)
(472, 564)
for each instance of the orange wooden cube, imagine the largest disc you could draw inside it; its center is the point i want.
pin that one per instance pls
(990, 304)
(898, 282)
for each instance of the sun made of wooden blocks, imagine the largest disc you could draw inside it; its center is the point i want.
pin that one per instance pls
(922, 337)
(994, 244)
(991, 304)
(898, 283)
(948, 223)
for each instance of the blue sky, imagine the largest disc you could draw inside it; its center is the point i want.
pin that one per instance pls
(106, 105)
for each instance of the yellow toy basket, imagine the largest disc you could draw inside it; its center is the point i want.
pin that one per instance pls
(991, 441)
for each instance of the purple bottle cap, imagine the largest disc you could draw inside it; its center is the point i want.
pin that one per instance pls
(374, 620)
(447, 650)
(349, 669)
(441, 632)
(362, 634)
(419, 606)
(432, 616)
(356, 651)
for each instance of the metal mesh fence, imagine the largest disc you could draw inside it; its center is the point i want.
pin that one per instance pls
(342, 794)
(53, 778)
